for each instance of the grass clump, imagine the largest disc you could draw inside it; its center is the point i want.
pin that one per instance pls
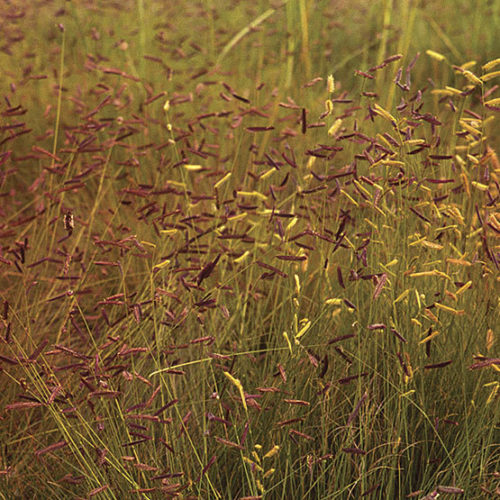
(249, 250)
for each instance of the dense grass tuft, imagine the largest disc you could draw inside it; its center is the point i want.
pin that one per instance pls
(249, 249)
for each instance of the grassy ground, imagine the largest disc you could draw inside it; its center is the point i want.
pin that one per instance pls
(226, 274)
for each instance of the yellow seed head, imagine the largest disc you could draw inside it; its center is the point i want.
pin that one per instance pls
(443, 92)
(435, 55)
(453, 90)
(402, 296)
(463, 288)
(493, 102)
(253, 464)
(429, 337)
(221, 181)
(237, 217)
(292, 223)
(468, 64)
(469, 128)
(351, 199)
(266, 174)
(268, 473)
(272, 451)
(303, 330)
(253, 193)
(335, 127)
(329, 106)
(449, 309)
(490, 339)
(330, 84)
(480, 186)
(162, 264)
(238, 385)
(384, 113)
(334, 302)
(489, 76)
(242, 257)
(311, 162)
(491, 64)
(297, 284)
(472, 77)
